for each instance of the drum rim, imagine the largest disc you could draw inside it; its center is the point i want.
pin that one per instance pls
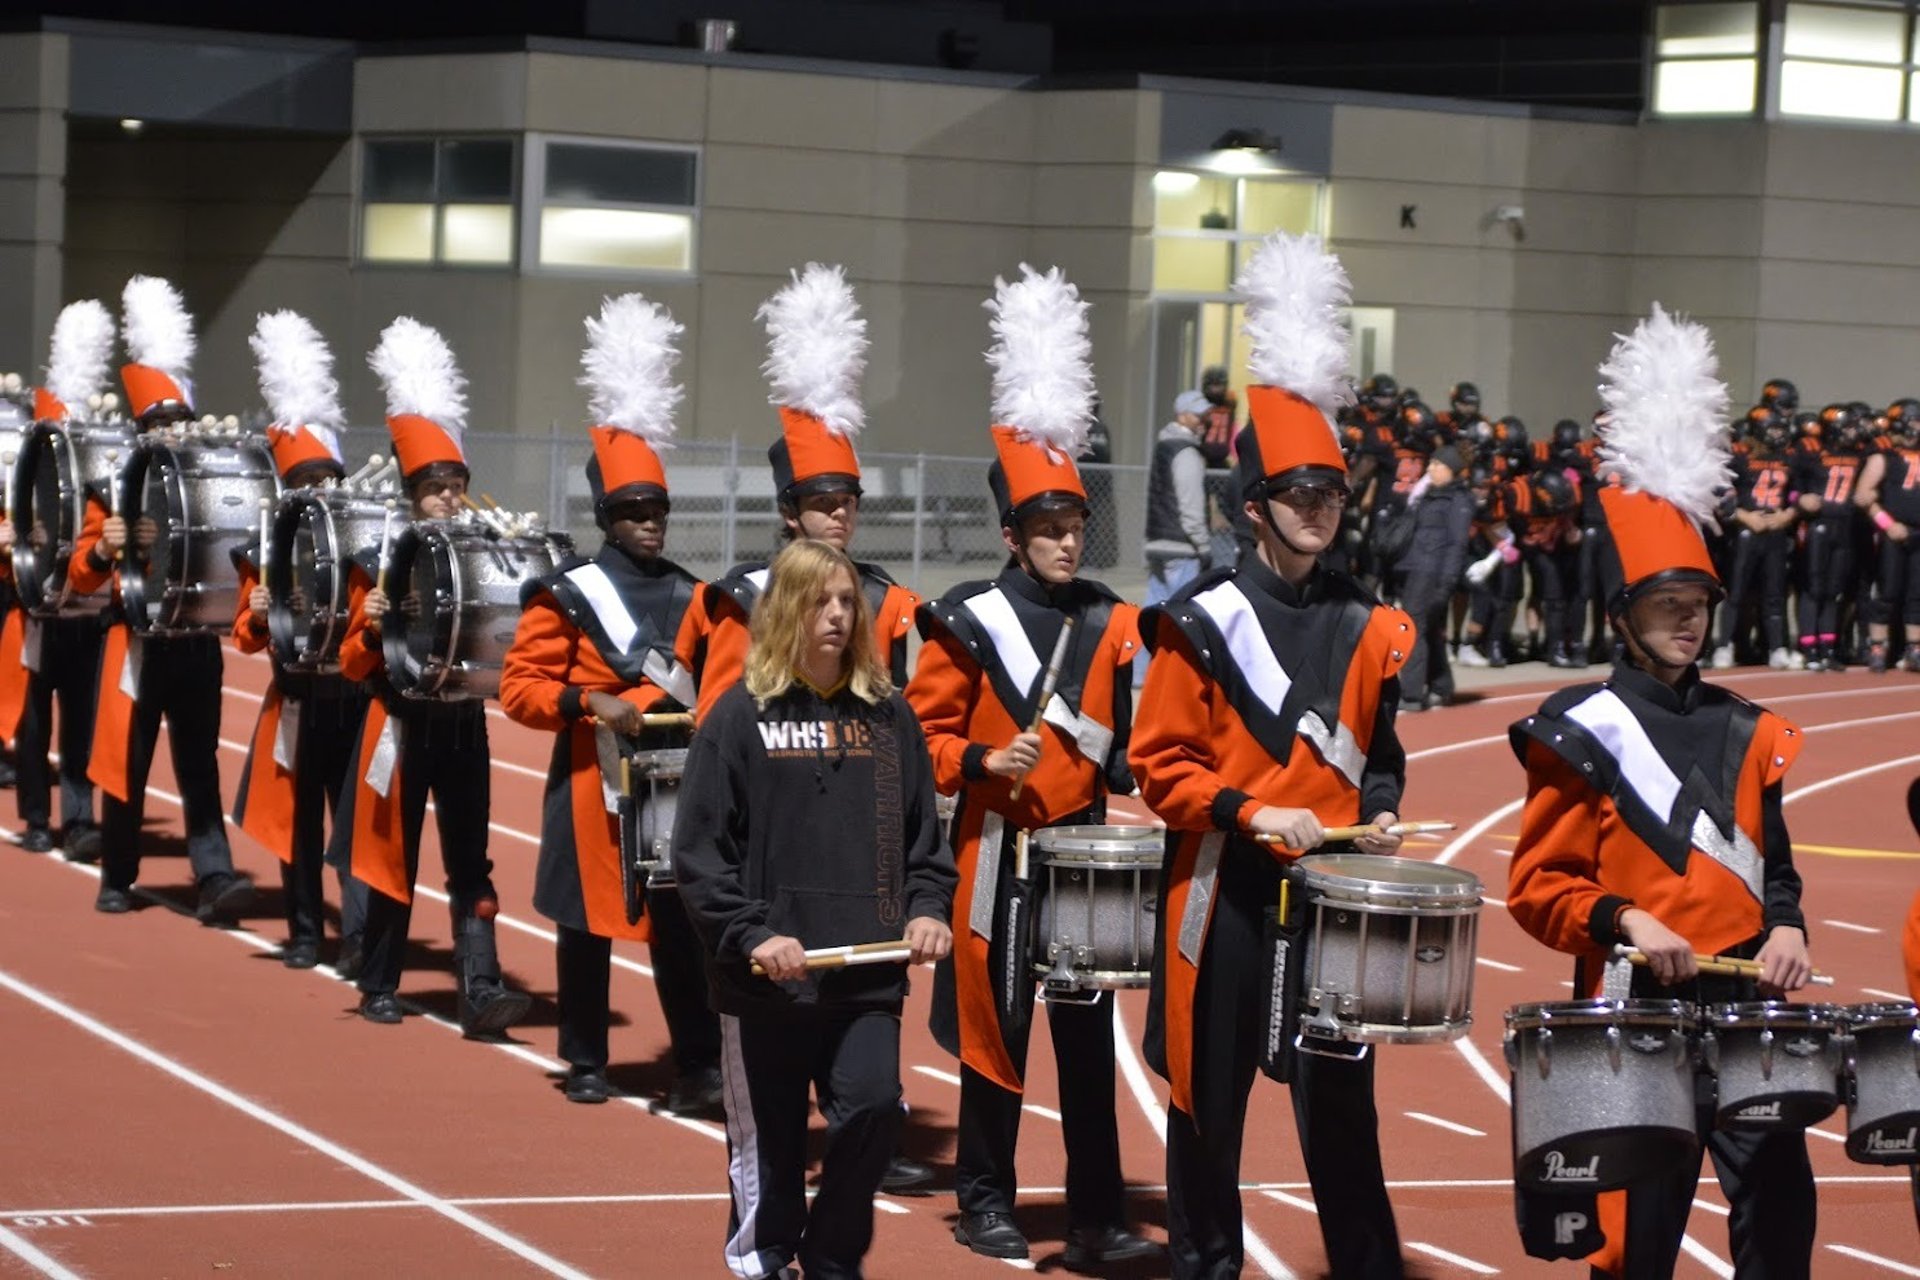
(163, 617)
(1766, 1013)
(655, 763)
(428, 681)
(1878, 1014)
(1315, 871)
(1050, 840)
(1536, 1015)
(290, 512)
(1104, 979)
(56, 596)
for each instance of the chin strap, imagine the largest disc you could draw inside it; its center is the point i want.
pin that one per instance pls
(1624, 620)
(1266, 514)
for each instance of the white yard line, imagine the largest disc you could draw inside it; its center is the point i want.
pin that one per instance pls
(1450, 1125)
(1861, 1255)
(1850, 927)
(25, 1250)
(1501, 965)
(1453, 1259)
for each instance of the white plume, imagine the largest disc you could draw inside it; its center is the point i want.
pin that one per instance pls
(82, 344)
(1041, 358)
(1666, 431)
(296, 371)
(156, 326)
(629, 367)
(417, 369)
(817, 347)
(1296, 295)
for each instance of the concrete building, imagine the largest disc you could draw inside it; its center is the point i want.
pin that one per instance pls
(498, 193)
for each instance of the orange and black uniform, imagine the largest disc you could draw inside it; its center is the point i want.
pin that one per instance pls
(141, 679)
(1668, 799)
(626, 627)
(296, 775)
(40, 657)
(1259, 693)
(1898, 564)
(728, 605)
(980, 668)
(1759, 560)
(1828, 556)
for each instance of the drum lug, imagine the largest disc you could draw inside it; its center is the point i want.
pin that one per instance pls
(1543, 1060)
(1510, 1048)
(1766, 1053)
(1613, 1047)
(1710, 1053)
(1061, 983)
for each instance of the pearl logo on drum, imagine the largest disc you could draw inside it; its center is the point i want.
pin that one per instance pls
(1879, 1144)
(1555, 1168)
(1760, 1111)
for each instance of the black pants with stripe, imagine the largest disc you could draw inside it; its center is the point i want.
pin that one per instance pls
(327, 742)
(851, 1060)
(180, 680)
(1333, 1109)
(443, 753)
(69, 667)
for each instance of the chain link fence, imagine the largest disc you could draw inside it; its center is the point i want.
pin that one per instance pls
(928, 519)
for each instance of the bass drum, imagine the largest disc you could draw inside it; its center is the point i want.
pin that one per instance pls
(456, 603)
(204, 491)
(317, 534)
(58, 464)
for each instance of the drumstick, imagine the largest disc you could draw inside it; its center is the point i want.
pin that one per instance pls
(1367, 829)
(386, 547)
(113, 456)
(1047, 681)
(1020, 855)
(1722, 966)
(492, 521)
(894, 952)
(662, 719)
(266, 529)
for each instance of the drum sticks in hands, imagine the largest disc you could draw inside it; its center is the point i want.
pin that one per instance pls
(892, 952)
(1367, 829)
(1723, 966)
(1047, 681)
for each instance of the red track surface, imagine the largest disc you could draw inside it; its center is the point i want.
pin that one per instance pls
(175, 1103)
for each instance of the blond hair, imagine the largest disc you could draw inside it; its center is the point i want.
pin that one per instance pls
(779, 631)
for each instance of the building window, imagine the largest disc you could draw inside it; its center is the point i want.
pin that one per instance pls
(615, 206)
(1843, 62)
(437, 200)
(1205, 225)
(1706, 59)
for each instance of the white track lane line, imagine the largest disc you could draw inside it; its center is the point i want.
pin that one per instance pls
(1449, 1125)
(1135, 1074)
(1453, 1259)
(1840, 780)
(1501, 965)
(298, 1132)
(1478, 829)
(1861, 1255)
(1884, 995)
(1850, 927)
(1298, 1202)
(25, 1250)
(948, 1077)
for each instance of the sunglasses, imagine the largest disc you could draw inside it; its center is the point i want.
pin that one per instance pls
(1307, 497)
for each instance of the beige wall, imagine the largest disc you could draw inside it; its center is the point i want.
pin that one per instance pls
(33, 159)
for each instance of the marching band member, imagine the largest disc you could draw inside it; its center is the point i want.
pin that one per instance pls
(1653, 814)
(1268, 711)
(817, 349)
(59, 655)
(411, 748)
(143, 678)
(976, 691)
(607, 640)
(303, 742)
(806, 819)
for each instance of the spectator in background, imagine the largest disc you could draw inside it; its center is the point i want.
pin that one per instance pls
(1101, 551)
(1217, 419)
(1442, 511)
(1179, 546)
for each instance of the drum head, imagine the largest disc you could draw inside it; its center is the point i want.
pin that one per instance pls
(298, 617)
(151, 490)
(1082, 842)
(420, 631)
(1365, 872)
(44, 523)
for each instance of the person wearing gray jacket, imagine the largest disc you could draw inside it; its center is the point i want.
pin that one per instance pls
(1179, 543)
(1431, 569)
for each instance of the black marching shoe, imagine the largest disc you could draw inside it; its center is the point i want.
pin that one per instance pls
(991, 1235)
(696, 1093)
(1093, 1246)
(301, 953)
(81, 842)
(586, 1085)
(222, 895)
(37, 840)
(112, 901)
(906, 1177)
(382, 1007)
(487, 1006)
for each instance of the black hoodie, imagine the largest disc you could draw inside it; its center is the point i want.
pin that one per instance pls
(812, 818)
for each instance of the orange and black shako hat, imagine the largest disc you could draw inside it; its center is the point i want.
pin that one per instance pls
(1664, 443)
(78, 363)
(159, 337)
(628, 374)
(1042, 394)
(1296, 295)
(426, 400)
(816, 352)
(302, 395)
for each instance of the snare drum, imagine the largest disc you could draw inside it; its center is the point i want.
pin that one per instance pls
(1096, 918)
(1883, 1092)
(653, 843)
(204, 491)
(317, 533)
(1390, 946)
(1603, 1092)
(456, 588)
(58, 464)
(1778, 1064)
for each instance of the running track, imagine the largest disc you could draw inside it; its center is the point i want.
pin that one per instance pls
(173, 1102)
